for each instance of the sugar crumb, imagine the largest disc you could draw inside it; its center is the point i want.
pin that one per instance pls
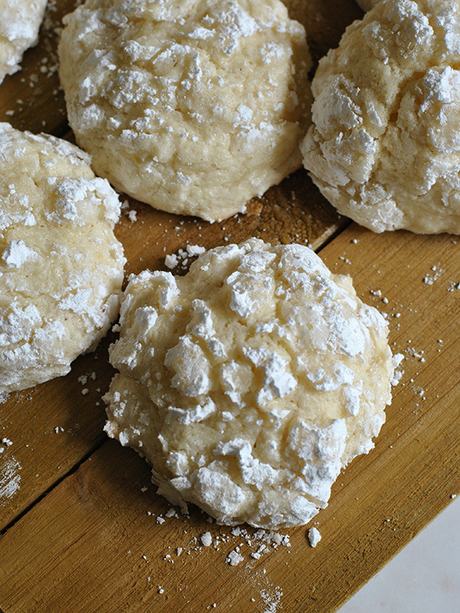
(314, 536)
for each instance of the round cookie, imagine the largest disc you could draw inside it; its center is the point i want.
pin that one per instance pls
(19, 26)
(194, 107)
(250, 382)
(384, 146)
(61, 267)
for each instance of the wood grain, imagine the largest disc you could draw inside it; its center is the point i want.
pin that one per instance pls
(78, 515)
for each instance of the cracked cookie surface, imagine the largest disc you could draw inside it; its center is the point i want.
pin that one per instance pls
(250, 382)
(61, 267)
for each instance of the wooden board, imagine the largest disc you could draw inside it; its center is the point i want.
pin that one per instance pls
(81, 526)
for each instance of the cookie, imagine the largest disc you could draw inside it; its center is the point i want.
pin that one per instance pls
(61, 267)
(250, 382)
(19, 26)
(384, 147)
(193, 107)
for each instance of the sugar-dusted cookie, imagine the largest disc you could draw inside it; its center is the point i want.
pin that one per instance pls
(193, 106)
(384, 146)
(250, 382)
(19, 25)
(61, 267)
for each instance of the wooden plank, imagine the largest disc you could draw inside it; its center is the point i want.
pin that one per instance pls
(85, 541)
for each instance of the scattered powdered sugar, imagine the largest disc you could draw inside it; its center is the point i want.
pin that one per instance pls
(206, 539)
(430, 278)
(271, 599)
(237, 546)
(397, 374)
(417, 354)
(234, 558)
(183, 256)
(314, 536)
(248, 543)
(10, 479)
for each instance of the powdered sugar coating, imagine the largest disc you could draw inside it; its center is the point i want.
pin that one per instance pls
(194, 106)
(384, 146)
(61, 267)
(250, 382)
(19, 28)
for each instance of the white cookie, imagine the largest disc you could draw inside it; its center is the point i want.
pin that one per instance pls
(249, 383)
(193, 107)
(19, 25)
(61, 267)
(384, 146)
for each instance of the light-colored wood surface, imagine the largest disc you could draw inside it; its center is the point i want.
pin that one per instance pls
(78, 515)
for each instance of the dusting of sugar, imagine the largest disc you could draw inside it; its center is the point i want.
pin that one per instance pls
(431, 277)
(234, 558)
(314, 536)
(237, 546)
(10, 479)
(17, 253)
(184, 257)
